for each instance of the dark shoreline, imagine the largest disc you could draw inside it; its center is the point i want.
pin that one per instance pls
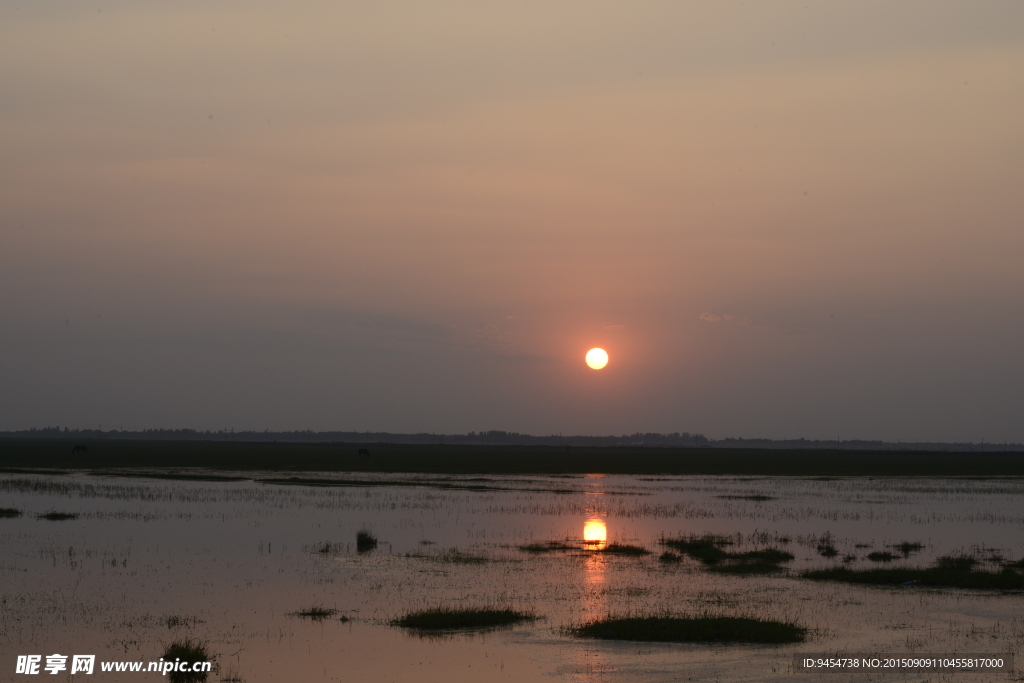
(33, 453)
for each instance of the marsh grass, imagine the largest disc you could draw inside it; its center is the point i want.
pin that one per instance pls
(881, 556)
(937, 576)
(960, 563)
(365, 541)
(175, 621)
(316, 613)
(708, 550)
(231, 675)
(187, 650)
(549, 546)
(699, 629)
(451, 619)
(669, 556)
(58, 516)
(746, 567)
(327, 548)
(826, 549)
(456, 556)
(705, 549)
(756, 497)
(623, 549)
(9, 512)
(588, 546)
(451, 556)
(906, 548)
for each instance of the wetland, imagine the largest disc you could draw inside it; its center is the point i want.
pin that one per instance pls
(523, 577)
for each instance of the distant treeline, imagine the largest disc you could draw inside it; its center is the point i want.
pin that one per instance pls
(501, 438)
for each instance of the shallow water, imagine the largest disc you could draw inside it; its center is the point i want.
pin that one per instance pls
(233, 560)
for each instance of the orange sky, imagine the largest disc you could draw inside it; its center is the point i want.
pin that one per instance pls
(780, 220)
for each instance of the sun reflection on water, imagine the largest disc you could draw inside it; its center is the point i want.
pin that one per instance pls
(595, 534)
(595, 537)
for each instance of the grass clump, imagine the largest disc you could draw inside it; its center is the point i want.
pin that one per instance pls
(456, 556)
(10, 512)
(700, 629)
(767, 555)
(826, 549)
(765, 561)
(705, 549)
(365, 541)
(190, 651)
(58, 516)
(451, 619)
(708, 550)
(548, 547)
(746, 567)
(906, 548)
(316, 613)
(669, 556)
(881, 556)
(452, 556)
(623, 549)
(942, 574)
(174, 621)
(326, 548)
(960, 563)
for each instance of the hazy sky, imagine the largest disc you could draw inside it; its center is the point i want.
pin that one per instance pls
(781, 219)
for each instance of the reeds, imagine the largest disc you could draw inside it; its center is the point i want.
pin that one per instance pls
(190, 651)
(58, 516)
(708, 550)
(450, 618)
(316, 613)
(881, 556)
(549, 546)
(699, 629)
(365, 541)
(942, 574)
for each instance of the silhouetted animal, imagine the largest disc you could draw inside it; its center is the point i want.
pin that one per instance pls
(79, 449)
(364, 453)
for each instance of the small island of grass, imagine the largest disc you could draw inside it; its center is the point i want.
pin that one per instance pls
(58, 516)
(708, 550)
(188, 651)
(702, 629)
(947, 572)
(549, 546)
(316, 613)
(623, 549)
(450, 619)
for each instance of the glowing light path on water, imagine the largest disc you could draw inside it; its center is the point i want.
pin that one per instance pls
(595, 533)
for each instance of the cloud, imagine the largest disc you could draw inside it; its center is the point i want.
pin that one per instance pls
(710, 317)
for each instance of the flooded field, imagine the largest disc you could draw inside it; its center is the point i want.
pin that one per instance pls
(130, 564)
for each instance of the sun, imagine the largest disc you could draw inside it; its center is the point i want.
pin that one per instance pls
(597, 358)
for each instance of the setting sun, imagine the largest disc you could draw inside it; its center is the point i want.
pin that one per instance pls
(597, 358)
